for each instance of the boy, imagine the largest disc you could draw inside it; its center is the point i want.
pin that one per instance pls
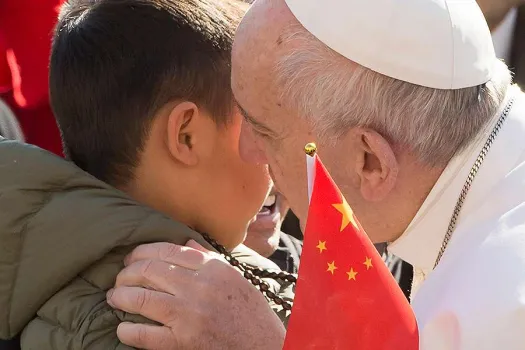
(140, 89)
(153, 114)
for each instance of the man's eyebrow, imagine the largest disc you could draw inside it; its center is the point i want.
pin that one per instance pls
(254, 122)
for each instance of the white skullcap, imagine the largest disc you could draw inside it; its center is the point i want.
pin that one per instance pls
(442, 44)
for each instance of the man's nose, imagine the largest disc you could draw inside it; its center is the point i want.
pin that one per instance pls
(249, 147)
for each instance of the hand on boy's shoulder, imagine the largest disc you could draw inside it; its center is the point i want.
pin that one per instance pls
(185, 292)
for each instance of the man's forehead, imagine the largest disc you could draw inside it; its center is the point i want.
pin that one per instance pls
(252, 71)
(255, 56)
(256, 102)
(262, 25)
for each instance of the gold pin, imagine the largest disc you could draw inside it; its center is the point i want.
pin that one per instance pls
(310, 149)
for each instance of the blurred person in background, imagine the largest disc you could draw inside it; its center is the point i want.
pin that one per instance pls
(26, 27)
(506, 19)
(9, 126)
(266, 237)
(495, 11)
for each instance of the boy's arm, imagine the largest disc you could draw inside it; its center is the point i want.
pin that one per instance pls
(78, 316)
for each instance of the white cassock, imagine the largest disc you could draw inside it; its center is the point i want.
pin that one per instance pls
(475, 298)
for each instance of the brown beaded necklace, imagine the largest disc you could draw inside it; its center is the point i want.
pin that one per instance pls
(254, 274)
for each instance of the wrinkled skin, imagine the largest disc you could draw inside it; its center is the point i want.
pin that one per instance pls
(196, 287)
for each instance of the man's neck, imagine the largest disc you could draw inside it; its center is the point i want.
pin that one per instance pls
(422, 240)
(416, 181)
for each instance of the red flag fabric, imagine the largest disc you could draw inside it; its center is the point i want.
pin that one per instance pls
(346, 298)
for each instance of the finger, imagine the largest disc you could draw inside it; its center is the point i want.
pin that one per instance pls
(148, 337)
(171, 253)
(209, 253)
(156, 306)
(155, 274)
(193, 244)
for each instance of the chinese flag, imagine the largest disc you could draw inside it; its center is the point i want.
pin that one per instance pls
(346, 298)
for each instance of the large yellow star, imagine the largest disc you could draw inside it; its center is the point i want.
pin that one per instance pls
(351, 274)
(368, 263)
(331, 267)
(321, 246)
(348, 215)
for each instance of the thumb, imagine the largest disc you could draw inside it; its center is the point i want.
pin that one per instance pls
(193, 244)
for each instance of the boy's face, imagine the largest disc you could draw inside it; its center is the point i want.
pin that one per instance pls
(192, 171)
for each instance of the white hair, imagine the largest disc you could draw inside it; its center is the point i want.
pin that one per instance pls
(336, 94)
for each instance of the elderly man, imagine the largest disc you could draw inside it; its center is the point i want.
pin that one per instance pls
(506, 19)
(418, 123)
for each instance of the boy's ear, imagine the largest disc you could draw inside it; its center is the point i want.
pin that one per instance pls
(181, 132)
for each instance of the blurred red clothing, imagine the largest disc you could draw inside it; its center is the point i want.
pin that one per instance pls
(26, 28)
(5, 72)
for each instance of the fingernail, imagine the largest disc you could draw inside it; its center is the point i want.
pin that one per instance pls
(109, 294)
(123, 327)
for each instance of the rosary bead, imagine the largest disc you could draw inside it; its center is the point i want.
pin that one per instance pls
(270, 294)
(252, 274)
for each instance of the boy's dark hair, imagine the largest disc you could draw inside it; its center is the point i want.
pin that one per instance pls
(115, 63)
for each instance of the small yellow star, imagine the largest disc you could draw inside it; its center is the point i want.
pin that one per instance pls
(321, 246)
(351, 274)
(348, 215)
(368, 263)
(331, 267)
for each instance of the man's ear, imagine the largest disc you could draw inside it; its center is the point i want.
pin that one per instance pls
(376, 165)
(181, 133)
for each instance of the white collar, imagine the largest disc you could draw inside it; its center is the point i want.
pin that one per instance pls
(420, 243)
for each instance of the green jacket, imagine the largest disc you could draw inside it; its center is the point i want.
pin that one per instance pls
(63, 236)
